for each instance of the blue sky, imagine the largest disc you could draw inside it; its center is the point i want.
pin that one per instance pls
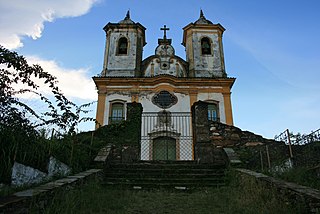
(271, 47)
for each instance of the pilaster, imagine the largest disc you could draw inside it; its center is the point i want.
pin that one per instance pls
(228, 108)
(100, 109)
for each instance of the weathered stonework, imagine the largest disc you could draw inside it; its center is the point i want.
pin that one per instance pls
(225, 135)
(200, 123)
(25, 175)
(57, 168)
(103, 154)
(204, 150)
(40, 196)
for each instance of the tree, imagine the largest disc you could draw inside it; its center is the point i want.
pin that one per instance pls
(19, 137)
(15, 69)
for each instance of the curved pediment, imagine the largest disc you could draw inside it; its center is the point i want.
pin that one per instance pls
(156, 65)
(164, 62)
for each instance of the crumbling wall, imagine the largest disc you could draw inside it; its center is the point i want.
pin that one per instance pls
(226, 136)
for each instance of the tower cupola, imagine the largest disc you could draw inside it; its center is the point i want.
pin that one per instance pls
(124, 46)
(204, 50)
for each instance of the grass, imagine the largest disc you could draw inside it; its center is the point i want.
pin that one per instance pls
(306, 176)
(241, 196)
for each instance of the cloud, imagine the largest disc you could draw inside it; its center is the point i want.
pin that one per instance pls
(19, 18)
(74, 83)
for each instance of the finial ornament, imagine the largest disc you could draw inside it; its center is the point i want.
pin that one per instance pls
(201, 14)
(128, 15)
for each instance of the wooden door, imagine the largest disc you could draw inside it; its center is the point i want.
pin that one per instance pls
(164, 148)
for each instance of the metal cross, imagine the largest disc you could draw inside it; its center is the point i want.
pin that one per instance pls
(164, 28)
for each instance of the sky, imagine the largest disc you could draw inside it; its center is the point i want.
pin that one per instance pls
(272, 48)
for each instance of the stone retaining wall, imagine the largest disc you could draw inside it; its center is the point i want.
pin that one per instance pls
(291, 192)
(40, 196)
(225, 135)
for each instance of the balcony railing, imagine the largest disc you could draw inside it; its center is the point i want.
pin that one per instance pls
(114, 120)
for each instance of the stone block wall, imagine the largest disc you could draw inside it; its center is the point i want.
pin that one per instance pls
(220, 134)
(41, 196)
(208, 136)
(226, 136)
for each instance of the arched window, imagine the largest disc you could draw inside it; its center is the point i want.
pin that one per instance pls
(123, 45)
(205, 46)
(213, 112)
(117, 113)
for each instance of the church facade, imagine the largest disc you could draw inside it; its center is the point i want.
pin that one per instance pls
(166, 85)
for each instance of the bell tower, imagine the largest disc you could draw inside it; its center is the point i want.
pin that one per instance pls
(124, 46)
(204, 51)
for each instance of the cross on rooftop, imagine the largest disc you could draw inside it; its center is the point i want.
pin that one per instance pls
(164, 28)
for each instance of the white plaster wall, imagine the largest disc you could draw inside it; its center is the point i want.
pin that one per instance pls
(112, 97)
(207, 65)
(183, 104)
(121, 65)
(217, 97)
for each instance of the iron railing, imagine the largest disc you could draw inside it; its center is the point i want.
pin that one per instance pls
(284, 137)
(298, 139)
(312, 137)
(166, 136)
(113, 120)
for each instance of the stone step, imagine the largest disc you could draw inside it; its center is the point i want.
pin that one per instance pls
(148, 165)
(165, 174)
(152, 185)
(166, 180)
(182, 162)
(121, 174)
(164, 171)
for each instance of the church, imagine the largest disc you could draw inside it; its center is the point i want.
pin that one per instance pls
(164, 84)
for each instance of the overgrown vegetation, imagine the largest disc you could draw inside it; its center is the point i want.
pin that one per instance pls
(241, 196)
(304, 167)
(20, 138)
(126, 132)
(307, 176)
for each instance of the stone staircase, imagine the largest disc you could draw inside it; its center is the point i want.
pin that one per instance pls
(165, 174)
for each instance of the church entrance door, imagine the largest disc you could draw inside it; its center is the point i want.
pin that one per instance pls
(166, 136)
(164, 148)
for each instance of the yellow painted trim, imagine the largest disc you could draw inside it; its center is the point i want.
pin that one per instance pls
(100, 109)
(228, 108)
(127, 83)
(135, 97)
(193, 98)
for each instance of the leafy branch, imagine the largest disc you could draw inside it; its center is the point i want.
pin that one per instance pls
(14, 69)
